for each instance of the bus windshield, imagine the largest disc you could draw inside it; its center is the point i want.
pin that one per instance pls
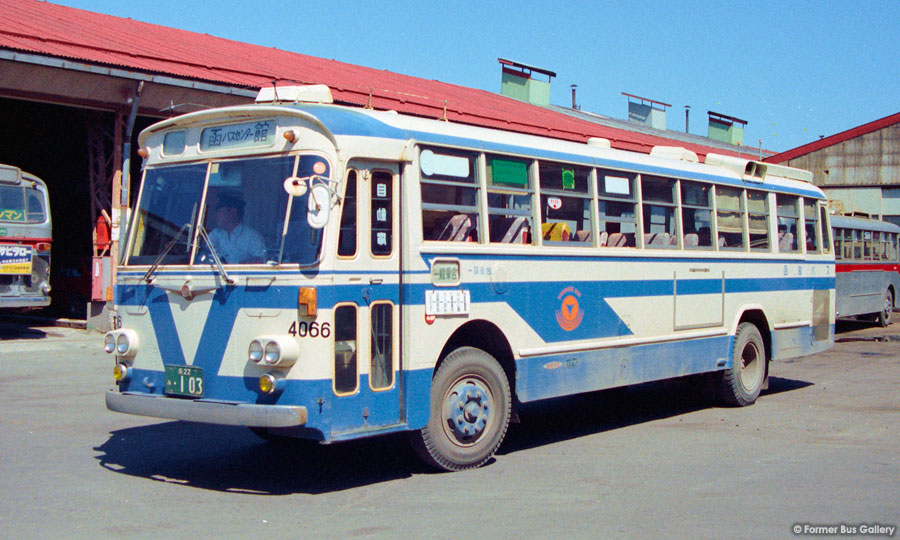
(21, 205)
(241, 204)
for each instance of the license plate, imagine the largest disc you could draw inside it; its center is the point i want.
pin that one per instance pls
(184, 381)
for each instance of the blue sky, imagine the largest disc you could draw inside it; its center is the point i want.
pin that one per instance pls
(793, 70)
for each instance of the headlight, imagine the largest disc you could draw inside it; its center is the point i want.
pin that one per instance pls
(274, 350)
(122, 344)
(273, 353)
(255, 353)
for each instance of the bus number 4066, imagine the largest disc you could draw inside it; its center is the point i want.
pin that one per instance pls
(313, 329)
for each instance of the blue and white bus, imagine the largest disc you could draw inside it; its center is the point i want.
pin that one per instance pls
(389, 273)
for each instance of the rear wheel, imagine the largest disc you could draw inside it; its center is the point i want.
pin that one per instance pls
(884, 318)
(741, 384)
(470, 409)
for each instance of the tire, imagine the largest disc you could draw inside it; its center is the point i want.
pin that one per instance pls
(740, 385)
(470, 410)
(884, 318)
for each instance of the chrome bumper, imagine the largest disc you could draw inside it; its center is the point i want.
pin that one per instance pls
(209, 412)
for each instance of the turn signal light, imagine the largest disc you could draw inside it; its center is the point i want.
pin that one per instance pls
(307, 299)
(268, 383)
(121, 373)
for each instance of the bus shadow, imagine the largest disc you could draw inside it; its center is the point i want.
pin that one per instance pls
(577, 416)
(12, 329)
(230, 459)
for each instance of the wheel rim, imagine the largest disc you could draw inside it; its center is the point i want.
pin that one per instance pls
(751, 366)
(468, 405)
(888, 308)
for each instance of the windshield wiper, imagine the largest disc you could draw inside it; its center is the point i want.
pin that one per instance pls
(148, 277)
(215, 256)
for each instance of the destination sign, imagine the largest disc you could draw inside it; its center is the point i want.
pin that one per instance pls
(15, 259)
(232, 136)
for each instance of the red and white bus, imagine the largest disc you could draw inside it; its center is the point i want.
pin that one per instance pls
(25, 240)
(866, 268)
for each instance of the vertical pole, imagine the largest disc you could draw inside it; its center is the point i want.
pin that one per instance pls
(687, 118)
(115, 225)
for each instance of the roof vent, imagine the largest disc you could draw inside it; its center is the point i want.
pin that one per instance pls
(675, 152)
(727, 129)
(599, 142)
(646, 111)
(313, 93)
(518, 82)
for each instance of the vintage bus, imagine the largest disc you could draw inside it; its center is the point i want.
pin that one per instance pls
(25, 240)
(389, 273)
(867, 268)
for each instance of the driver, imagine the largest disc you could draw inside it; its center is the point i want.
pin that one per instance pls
(235, 242)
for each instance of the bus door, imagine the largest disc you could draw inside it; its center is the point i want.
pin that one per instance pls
(367, 303)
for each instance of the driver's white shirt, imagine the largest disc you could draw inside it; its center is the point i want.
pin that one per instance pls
(243, 244)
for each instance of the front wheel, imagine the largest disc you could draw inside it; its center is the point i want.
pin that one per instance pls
(741, 384)
(470, 409)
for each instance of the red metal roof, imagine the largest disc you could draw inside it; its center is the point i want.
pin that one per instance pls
(837, 138)
(58, 31)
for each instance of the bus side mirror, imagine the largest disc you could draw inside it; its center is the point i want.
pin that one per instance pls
(319, 206)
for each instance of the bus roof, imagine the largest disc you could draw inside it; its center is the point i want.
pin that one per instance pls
(866, 224)
(342, 121)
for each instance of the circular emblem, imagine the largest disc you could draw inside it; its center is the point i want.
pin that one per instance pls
(569, 314)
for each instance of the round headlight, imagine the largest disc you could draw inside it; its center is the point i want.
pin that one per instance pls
(273, 353)
(255, 353)
(109, 342)
(122, 344)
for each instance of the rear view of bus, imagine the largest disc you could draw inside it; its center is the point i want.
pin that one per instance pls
(25, 240)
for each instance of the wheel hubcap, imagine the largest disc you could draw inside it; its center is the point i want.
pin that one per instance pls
(751, 367)
(467, 410)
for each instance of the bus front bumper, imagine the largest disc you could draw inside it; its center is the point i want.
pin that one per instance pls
(209, 412)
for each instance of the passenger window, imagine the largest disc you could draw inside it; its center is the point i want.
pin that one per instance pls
(345, 371)
(810, 214)
(660, 225)
(696, 215)
(730, 217)
(616, 202)
(347, 238)
(838, 244)
(450, 202)
(788, 216)
(35, 207)
(509, 200)
(382, 213)
(381, 370)
(758, 219)
(824, 228)
(565, 204)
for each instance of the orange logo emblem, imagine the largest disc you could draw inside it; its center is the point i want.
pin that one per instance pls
(569, 315)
